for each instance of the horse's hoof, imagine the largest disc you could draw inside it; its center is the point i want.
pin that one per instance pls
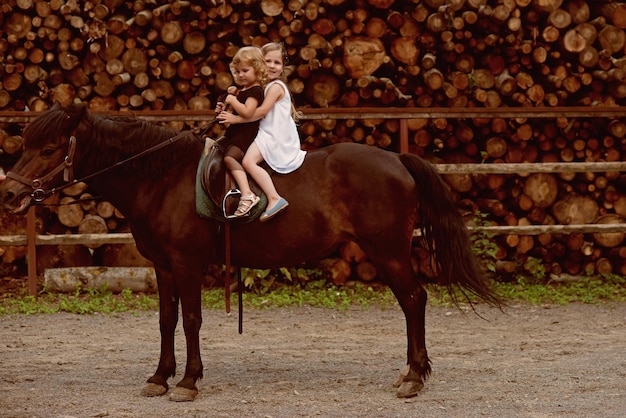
(152, 389)
(410, 388)
(181, 394)
(403, 373)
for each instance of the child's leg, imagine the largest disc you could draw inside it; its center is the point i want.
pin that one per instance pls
(231, 160)
(251, 164)
(248, 199)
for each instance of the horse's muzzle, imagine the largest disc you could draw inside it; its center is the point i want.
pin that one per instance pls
(16, 203)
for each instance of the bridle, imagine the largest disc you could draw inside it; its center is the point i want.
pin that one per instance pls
(39, 193)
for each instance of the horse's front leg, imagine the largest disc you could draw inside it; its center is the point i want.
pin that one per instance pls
(412, 299)
(191, 298)
(168, 319)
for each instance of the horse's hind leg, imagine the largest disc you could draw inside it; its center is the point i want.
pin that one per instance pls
(414, 306)
(168, 318)
(412, 299)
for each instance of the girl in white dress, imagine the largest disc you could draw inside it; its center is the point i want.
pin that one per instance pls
(277, 141)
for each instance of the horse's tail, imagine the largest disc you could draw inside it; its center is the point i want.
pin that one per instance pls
(445, 233)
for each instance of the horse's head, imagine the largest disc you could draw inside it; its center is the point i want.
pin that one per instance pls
(46, 160)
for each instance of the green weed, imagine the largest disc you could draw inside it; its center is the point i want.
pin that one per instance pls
(484, 246)
(318, 293)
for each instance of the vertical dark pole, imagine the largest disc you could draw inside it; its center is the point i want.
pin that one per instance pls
(404, 136)
(240, 298)
(31, 242)
(227, 261)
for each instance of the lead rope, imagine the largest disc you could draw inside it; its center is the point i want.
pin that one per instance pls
(227, 262)
(227, 278)
(240, 298)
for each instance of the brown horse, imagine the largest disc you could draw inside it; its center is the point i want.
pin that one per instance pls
(344, 192)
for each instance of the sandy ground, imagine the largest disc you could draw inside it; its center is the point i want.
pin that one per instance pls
(531, 361)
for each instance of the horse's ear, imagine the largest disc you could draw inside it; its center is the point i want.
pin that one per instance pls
(75, 113)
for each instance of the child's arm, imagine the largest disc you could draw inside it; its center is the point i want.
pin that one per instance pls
(246, 109)
(274, 94)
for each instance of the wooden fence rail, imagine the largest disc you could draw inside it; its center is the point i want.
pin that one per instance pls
(127, 238)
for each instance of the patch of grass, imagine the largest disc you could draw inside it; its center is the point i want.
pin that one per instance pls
(588, 290)
(317, 293)
(26, 305)
(80, 302)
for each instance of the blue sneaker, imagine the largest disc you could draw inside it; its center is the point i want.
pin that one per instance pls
(279, 207)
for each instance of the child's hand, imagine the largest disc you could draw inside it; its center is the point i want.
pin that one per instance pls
(232, 90)
(226, 117)
(219, 107)
(230, 99)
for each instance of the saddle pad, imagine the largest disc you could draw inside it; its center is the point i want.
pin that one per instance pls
(206, 208)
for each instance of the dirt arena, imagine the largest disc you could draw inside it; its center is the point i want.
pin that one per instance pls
(530, 361)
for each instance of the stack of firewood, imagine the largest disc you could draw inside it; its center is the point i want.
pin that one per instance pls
(149, 55)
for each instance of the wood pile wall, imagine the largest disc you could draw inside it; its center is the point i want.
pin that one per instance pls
(149, 55)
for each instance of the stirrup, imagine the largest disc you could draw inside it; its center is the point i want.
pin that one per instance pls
(231, 192)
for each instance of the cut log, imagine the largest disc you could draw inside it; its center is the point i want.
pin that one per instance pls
(615, 12)
(573, 41)
(559, 18)
(603, 266)
(12, 144)
(578, 10)
(611, 39)
(122, 255)
(337, 268)
(542, 189)
(363, 56)
(58, 256)
(75, 189)
(92, 224)
(609, 239)
(460, 182)
(546, 5)
(575, 209)
(105, 209)
(405, 50)
(366, 271)
(351, 252)
(433, 79)
(69, 212)
(323, 89)
(115, 279)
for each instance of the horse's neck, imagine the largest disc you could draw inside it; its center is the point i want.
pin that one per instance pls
(138, 192)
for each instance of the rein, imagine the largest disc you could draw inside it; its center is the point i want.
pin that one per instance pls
(39, 194)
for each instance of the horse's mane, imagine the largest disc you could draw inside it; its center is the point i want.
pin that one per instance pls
(111, 139)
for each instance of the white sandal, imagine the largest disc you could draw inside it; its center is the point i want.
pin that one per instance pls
(246, 204)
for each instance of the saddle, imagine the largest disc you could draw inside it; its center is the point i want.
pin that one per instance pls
(217, 195)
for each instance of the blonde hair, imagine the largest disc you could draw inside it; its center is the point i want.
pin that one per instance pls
(277, 46)
(255, 58)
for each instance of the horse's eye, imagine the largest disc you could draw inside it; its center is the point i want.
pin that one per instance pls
(46, 152)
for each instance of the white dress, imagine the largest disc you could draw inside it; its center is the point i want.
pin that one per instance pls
(278, 139)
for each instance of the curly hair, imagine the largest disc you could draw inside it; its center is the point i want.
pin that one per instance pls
(254, 57)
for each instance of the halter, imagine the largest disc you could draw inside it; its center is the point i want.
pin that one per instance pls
(39, 194)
